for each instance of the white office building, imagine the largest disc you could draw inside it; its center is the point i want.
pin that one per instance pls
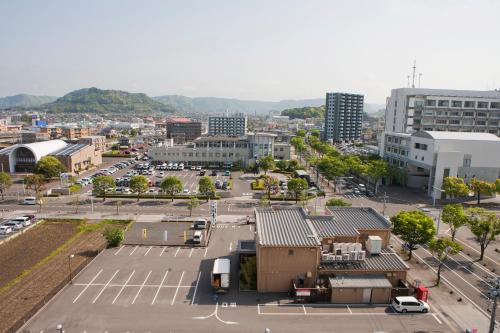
(417, 109)
(430, 156)
(235, 125)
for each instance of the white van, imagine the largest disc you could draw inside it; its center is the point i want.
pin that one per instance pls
(181, 166)
(24, 220)
(409, 304)
(29, 201)
(198, 237)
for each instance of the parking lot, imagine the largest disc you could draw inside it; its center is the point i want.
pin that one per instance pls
(167, 289)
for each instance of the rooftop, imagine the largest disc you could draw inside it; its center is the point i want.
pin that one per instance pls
(361, 281)
(70, 149)
(387, 260)
(450, 92)
(465, 136)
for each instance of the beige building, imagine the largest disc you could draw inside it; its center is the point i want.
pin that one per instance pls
(342, 257)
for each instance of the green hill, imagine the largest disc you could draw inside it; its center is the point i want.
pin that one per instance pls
(305, 112)
(25, 101)
(93, 100)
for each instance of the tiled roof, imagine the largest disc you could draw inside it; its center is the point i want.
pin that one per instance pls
(387, 260)
(285, 227)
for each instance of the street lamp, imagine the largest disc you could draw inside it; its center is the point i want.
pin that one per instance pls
(71, 256)
(434, 189)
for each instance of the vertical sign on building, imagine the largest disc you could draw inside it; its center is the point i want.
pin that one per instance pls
(213, 212)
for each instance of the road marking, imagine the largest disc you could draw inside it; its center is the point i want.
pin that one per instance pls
(123, 287)
(145, 254)
(437, 319)
(250, 227)
(478, 265)
(131, 253)
(191, 252)
(163, 250)
(142, 286)
(205, 254)
(177, 290)
(217, 316)
(159, 287)
(196, 288)
(304, 309)
(121, 248)
(231, 247)
(105, 286)
(473, 249)
(178, 249)
(348, 308)
(91, 281)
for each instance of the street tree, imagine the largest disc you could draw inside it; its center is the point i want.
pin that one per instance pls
(414, 228)
(301, 133)
(171, 185)
(481, 187)
(299, 144)
(102, 184)
(139, 185)
(376, 170)
(5, 183)
(454, 215)
(192, 203)
(206, 186)
(332, 168)
(266, 163)
(36, 183)
(315, 133)
(297, 186)
(485, 226)
(270, 186)
(49, 167)
(455, 187)
(441, 248)
(282, 165)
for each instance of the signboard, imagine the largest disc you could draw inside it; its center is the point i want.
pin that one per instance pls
(303, 292)
(41, 123)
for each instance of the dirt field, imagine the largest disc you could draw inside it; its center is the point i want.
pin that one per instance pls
(22, 300)
(32, 246)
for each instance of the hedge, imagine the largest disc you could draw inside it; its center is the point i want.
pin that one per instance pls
(257, 184)
(152, 196)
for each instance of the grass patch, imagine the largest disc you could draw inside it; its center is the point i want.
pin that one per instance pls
(75, 187)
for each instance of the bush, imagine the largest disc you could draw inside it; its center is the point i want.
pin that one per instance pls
(257, 184)
(75, 187)
(337, 202)
(114, 236)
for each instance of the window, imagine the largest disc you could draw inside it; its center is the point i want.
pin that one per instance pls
(495, 105)
(430, 102)
(481, 114)
(290, 252)
(481, 122)
(441, 121)
(455, 113)
(454, 122)
(422, 158)
(443, 103)
(482, 105)
(469, 104)
(446, 173)
(468, 114)
(467, 160)
(456, 104)
(420, 146)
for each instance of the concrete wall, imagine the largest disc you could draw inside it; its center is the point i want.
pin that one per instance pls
(355, 295)
(277, 267)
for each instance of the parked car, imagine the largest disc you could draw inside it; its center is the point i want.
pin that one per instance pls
(5, 230)
(218, 184)
(186, 191)
(29, 201)
(200, 224)
(203, 173)
(214, 172)
(197, 237)
(24, 220)
(409, 304)
(181, 166)
(198, 168)
(14, 225)
(193, 167)
(227, 173)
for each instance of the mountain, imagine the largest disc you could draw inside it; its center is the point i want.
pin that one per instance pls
(374, 108)
(93, 100)
(214, 104)
(24, 100)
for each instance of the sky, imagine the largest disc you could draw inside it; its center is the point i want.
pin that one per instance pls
(266, 50)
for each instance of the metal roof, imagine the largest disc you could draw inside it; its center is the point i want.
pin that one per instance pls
(221, 266)
(387, 260)
(70, 149)
(328, 226)
(463, 136)
(39, 149)
(285, 227)
(360, 218)
(360, 281)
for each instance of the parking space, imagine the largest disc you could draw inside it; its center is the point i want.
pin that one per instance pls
(180, 233)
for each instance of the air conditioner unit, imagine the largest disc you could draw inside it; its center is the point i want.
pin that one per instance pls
(359, 247)
(351, 247)
(345, 256)
(338, 258)
(353, 255)
(331, 257)
(361, 255)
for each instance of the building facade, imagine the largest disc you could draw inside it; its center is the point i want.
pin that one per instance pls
(430, 156)
(183, 131)
(417, 109)
(235, 125)
(343, 117)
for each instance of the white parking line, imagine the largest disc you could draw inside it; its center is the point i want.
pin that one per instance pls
(348, 308)
(123, 287)
(478, 265)
(163, 250)
(178, 249)
(121, 248)
(304, 309)
(91, 281)
(205, 254)
(145, 254)
(437, 319)
(140, 288)
(131, 253)
(177, 290)
(159, 287)
(105, 286)
(196, 288)
(191, 252)
(230, 246)
(473, 249)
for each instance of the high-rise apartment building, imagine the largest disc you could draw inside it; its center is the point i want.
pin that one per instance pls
(235, 125)
(183, 130)
(343, 117)
(417, 109)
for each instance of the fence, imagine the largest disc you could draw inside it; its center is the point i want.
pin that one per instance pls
(46, 298)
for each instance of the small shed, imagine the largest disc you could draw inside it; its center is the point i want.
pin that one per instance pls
(360, 289)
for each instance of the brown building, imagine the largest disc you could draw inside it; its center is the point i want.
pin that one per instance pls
(30, 137)
(183, 130)
(341, 257)
(79, 157)
(98, 141)
(75, 133)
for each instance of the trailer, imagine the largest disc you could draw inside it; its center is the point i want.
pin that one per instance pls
(221, 275)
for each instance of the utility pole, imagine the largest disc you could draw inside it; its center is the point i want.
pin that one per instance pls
(494, 293)
(413, 75)
(383, 208)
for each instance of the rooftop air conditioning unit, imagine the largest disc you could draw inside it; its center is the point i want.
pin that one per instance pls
(374, 244)
(361, 255)
(338, 258)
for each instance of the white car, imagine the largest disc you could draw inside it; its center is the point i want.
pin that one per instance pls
(198, 168)
(409, 304)
(14, 225)
(5, 230)
(186, 191)
(29, 201)
(193, 167)
(161, 174)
